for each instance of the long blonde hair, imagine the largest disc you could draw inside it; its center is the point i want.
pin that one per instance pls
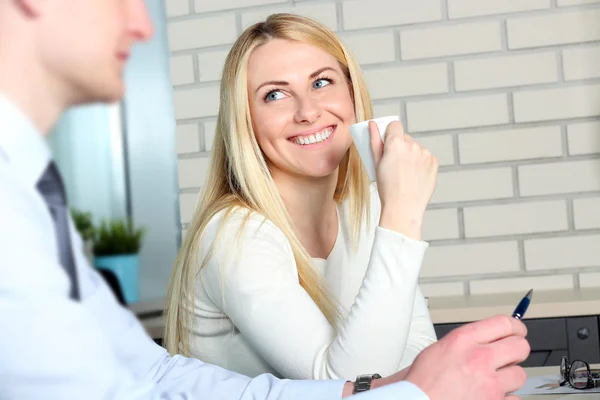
(239, 175)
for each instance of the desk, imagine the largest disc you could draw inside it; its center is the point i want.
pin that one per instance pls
(454, 309)
(539, 371)
(571, 316)
(560, 322)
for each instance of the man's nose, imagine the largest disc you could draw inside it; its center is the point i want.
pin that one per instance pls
(139, 21)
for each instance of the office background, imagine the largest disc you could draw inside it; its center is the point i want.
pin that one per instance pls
(506, 93)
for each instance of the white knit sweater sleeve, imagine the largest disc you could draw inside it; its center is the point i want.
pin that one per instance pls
(252, 277)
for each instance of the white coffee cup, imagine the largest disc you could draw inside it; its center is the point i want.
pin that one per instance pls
(362, 140)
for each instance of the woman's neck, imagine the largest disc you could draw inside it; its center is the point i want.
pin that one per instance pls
(310, 204)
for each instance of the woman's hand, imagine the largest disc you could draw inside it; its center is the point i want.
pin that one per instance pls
(406, 177)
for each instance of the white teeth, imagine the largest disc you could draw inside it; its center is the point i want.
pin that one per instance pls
(316, 138)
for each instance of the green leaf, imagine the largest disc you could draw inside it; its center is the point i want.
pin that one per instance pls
(83, 223)
(117, 237)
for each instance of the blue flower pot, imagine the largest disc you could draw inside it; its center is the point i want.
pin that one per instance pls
(126, 268)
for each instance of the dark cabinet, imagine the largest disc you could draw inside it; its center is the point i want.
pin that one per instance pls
(552, 338)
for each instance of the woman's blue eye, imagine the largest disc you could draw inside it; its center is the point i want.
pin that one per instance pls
(274, 95)
(320, 83)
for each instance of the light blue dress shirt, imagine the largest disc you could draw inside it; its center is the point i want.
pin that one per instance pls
(53, 348)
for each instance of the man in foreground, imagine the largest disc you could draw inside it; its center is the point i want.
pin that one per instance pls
(64, 336)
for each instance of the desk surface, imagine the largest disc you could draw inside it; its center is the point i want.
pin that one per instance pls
(455, 309)
(539, 371)
(544, 304)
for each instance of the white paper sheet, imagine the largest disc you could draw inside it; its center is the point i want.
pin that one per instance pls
(548, 384)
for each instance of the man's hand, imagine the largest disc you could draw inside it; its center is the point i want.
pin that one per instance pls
(475, 361)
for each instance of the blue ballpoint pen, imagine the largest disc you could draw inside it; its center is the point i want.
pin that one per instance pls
(519, 312)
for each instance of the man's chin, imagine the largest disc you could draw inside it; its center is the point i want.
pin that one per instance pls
(107, 94)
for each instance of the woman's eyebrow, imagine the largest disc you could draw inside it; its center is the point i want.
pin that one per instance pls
(284, 83)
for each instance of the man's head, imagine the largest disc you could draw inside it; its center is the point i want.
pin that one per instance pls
(79, 48)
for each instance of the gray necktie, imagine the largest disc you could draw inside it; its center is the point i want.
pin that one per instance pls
(52, 190)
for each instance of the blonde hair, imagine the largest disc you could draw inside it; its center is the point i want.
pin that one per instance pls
(239, 175)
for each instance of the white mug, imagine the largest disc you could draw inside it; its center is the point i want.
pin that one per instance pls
(362, 140)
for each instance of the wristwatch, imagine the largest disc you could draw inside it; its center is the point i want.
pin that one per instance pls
(363, 382)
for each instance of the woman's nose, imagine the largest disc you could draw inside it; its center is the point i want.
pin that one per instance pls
(308, 110)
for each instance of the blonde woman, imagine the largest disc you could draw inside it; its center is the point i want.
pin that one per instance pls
(294, 264)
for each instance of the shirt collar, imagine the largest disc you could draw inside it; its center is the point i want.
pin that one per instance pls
(22, 145)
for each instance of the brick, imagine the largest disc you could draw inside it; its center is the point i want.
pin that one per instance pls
(196, 103)
(442, 289)
(188, 138)
(407, 81)
(537, 31)
(441, 224)
(560, 177)
(584, 138)
(210, 65)
(474, 8)
(182, 70)
(480, 184)
(562, 3)
(201, 6)
(371, 48)
(192, 172)
(387, 109)
(472, 111)
(202, 32)
(581, 63)
(470, 259)
(590, 279)
(510, 144)
(440, 146)
(516, 218)
(561, 103)
(177, 8)
(359, 14)
(325, 13)
(562, 252)
(521, 284)
(187, 206)
(505, 71)
(586, 212)
(478, 37)
(210, 128)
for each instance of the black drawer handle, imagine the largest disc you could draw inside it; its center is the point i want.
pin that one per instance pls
(583, 333)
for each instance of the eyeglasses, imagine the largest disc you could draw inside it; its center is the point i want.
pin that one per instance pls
(578, 374)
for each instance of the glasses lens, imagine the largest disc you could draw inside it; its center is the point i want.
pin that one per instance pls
(578, 375)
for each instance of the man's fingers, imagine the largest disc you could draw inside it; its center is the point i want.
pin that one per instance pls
(494, 328)
(376, 142)
(508, 351)
(511, 378)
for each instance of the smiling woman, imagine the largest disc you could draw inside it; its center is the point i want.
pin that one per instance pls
(294, 264)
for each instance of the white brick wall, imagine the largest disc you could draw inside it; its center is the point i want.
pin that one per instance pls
(506, 93)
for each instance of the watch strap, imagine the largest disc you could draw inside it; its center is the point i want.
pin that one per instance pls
(363, 382)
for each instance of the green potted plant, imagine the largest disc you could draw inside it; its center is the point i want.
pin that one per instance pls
(116, 247)
(85, 226)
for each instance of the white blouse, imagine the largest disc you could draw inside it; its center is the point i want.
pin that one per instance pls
(251, 315)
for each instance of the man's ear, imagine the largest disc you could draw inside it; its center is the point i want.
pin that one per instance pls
(32, 8)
